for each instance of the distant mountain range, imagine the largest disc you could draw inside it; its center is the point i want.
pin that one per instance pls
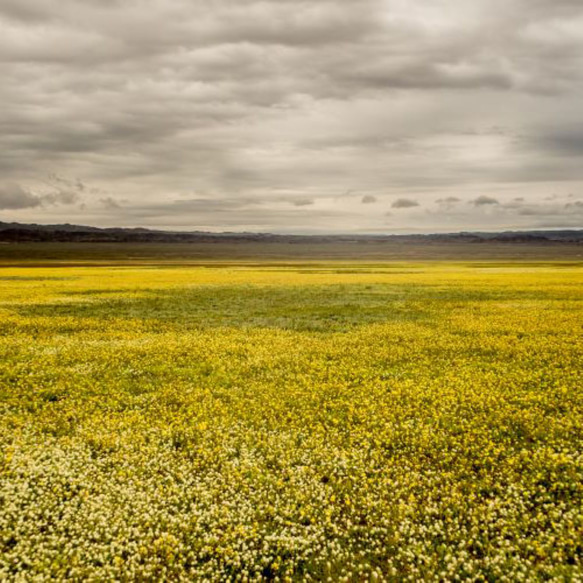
(19, 232)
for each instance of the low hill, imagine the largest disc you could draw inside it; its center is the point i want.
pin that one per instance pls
(18, 232)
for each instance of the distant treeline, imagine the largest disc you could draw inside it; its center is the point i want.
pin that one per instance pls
(16, 232)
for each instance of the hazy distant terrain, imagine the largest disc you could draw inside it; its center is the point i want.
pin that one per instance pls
(73, 243)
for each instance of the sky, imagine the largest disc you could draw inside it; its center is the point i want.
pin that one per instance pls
(291, 116)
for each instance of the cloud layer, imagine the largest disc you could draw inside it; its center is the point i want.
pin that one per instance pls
(289, 115)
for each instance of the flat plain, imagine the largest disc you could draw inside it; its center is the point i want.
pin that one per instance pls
(332, 420)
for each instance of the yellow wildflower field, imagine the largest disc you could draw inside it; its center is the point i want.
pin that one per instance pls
(323, 421)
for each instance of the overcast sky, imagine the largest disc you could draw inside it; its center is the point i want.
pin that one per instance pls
(364, 116)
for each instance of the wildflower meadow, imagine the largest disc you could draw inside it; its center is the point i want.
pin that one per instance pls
(290, 422)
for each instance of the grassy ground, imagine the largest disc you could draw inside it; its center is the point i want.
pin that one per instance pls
(50, 253)
(387, 421)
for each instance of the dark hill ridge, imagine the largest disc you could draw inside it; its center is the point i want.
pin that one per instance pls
(17, 232)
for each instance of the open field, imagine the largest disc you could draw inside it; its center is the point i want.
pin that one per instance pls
(52, 253)
(356, 421)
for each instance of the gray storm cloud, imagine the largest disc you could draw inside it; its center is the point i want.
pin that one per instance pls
(261, 113)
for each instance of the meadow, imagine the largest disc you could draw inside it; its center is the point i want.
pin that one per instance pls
(341, 421)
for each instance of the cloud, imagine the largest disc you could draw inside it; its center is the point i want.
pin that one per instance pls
(484, 201)
(515, 203)
(303, 202)
(552, 210)
(60, 197)
(264, 105)
(207, 205)
(563, 140)
(110, 203)
(404, 203)
(449, 200)
(13, 196)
